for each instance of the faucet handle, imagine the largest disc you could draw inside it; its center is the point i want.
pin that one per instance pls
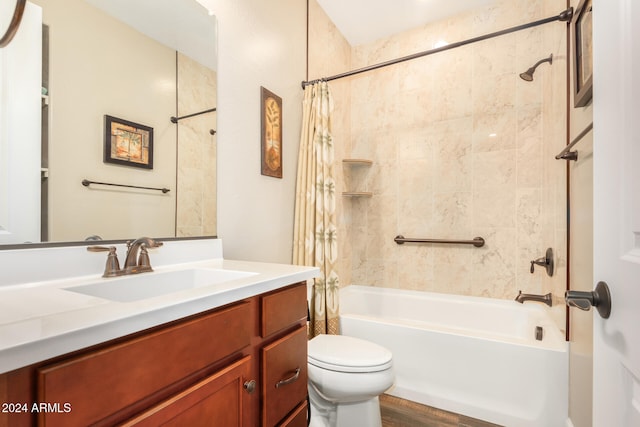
(153, 244)
(143, 258)
(546, 261)
(101, 248)
(145, 241)
(112, 267)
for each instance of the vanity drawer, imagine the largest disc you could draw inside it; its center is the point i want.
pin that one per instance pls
(105, 381)
(284, 376)
(283, 308)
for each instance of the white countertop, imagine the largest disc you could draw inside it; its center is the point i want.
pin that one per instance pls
(40, 320)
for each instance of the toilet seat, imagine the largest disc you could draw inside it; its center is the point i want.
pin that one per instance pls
(348, 354)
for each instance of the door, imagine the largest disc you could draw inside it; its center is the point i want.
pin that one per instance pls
(616, 178)
(20, 124)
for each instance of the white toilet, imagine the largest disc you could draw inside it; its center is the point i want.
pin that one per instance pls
(346, 376)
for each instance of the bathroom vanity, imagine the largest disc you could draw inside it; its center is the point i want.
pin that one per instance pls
(234, 352)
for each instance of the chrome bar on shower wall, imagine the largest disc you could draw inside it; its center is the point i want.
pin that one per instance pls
(564, 16)
(476, 241)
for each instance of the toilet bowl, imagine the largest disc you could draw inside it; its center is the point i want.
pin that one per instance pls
(346, 376)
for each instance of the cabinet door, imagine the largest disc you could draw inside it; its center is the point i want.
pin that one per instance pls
(217, 400)
(113, 383)
(284, 372)
(298, 418)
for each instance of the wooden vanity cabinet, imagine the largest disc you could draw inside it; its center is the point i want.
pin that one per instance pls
(241, 365)
(111, 384)
(284, 357)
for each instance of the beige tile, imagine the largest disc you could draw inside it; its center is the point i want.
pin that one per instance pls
(494, 168)
(452, 214)
(461, 147)
(495, 131)
(494, 207)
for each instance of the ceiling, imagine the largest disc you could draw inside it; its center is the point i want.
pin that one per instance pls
(364, 21)
(191, 31)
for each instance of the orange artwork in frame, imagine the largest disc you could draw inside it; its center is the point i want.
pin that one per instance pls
(271, 133)
(127, 143)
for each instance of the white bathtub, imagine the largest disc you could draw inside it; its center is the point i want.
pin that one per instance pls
(473, 356)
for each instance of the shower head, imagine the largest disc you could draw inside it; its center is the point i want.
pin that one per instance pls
(528, 75)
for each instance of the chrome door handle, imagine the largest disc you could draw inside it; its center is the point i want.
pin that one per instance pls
(600, 298)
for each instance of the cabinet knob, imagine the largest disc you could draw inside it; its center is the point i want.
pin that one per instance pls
(250, 386)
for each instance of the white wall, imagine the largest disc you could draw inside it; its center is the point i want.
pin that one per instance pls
(261, 43)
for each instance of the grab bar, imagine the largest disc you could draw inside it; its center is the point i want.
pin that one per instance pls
(477, 241)
(566, 154)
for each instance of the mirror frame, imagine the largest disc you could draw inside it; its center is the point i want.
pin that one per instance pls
(14, 24)
(42, 245)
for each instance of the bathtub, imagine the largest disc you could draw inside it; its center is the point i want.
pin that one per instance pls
(473, 356)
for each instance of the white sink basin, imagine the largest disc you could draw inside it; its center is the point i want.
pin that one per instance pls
(148, 285)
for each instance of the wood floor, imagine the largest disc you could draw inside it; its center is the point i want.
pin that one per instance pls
(398, 412)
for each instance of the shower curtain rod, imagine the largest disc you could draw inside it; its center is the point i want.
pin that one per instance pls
(564, 16)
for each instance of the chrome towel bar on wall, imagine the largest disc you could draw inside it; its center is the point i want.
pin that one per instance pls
(476, 241)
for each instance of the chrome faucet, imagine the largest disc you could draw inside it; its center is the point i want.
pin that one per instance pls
(137, 260)
(521, 298)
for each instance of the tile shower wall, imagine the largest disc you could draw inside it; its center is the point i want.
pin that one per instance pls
(461, 147)
(196, 194)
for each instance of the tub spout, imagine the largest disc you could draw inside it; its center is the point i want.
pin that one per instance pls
(521, 298)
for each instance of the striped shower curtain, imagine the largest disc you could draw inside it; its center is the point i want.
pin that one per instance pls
(315, 240)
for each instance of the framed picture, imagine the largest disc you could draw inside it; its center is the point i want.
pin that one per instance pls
(271, 133)
(127, 143)
(583, 40)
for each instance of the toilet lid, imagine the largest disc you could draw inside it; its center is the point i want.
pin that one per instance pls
(348, 354)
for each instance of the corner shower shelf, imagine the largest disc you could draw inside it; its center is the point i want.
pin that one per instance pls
(357, 193)
(357, 163)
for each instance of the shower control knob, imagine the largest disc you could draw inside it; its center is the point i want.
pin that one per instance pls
(546, 261)
(600, 298)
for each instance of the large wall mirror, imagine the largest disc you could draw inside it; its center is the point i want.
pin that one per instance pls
(71, 64)
(10, 17)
